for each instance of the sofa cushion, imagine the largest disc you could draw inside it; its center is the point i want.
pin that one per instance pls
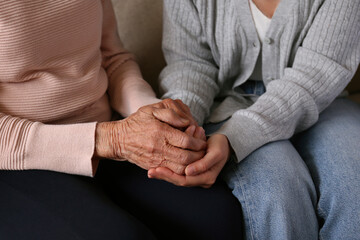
(140, 29)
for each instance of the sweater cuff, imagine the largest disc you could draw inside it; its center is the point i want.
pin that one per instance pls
(244, 135)
(62, 148)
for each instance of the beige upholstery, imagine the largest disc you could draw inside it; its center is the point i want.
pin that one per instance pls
(140, 29)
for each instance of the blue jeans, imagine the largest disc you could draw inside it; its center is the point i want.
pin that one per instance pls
(307, 187)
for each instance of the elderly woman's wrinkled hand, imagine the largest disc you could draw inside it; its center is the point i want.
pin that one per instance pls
(152, 138)
(201, 173)
(178, 108)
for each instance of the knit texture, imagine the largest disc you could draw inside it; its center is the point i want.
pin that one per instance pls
(57, 61)
(310, 53)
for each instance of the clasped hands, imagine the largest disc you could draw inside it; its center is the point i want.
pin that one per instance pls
(164, 139)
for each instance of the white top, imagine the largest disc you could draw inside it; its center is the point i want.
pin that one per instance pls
(262, 24)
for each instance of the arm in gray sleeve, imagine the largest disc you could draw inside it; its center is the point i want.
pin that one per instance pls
(323, 66)
(191, 73)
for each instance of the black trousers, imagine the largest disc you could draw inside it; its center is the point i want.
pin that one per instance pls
(119, 203)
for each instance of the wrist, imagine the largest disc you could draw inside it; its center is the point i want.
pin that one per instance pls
(139, 95)
(229, 148)
(102, 143)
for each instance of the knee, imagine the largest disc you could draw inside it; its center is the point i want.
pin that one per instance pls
(118, 224)
(287, 185)
(275, 171)
(338, 201)
(342, 186)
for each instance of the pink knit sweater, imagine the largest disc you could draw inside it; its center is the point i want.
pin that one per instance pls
(61, 67)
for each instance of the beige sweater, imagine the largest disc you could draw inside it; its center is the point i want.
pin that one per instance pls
(59, 63)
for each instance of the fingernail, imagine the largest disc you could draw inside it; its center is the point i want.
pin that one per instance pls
(184, 120)
(192, 130)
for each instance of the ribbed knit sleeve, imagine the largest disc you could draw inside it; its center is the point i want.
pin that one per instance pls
(127, 89)
(323, 66)
(61, 89)
(191, 72)
(32, 145)
(13, 137)
(311, 54)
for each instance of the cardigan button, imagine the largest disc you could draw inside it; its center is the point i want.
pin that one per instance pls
(268, 40)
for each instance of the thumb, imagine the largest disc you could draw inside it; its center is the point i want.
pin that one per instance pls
(170, 117)
(200, 133)
(191, 130)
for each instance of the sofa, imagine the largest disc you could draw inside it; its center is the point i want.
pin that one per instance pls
(140, 29)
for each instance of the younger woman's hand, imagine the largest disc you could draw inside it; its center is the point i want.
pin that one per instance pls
(201, 173)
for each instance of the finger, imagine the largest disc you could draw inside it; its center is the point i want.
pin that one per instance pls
(186, 110)
(204, 180)
(183, 107)
(180, 139)
(174, 167)
(165, 174)
(149, 155)
(203, 165)
(180, 108)
(200, 133)
(170, 117)
(181, 156)
(190, 131)
(176, 106)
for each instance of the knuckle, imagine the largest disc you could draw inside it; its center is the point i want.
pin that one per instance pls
(183, 105)
(151, 148)
(180, 170)
(168, 112)
(167, 101)
(172, 112)
(184, 157)
(178, 101)
(157, 126)
(154, 145)
(142, 108)
(185, 141)
(145, 109)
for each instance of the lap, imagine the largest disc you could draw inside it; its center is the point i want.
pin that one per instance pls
(333, 142)
(274, 185)
(331, 147)
(332, 152)
(275, 170)
(173, 212)
(49, 205)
